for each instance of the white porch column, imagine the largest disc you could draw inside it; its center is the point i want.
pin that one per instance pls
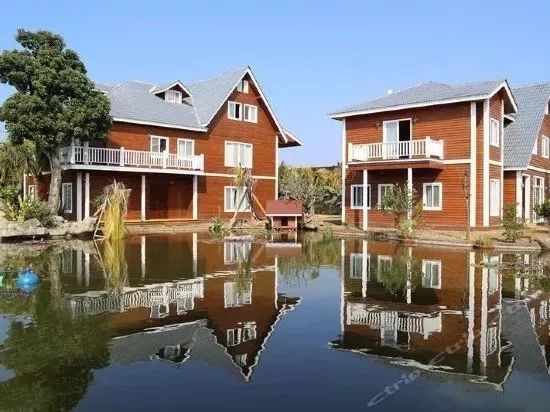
(86, 195)
(519, 197)
(409, 190)
(527, 189)
(79, 196)
(195, 197)
(195, 254)
(87, 269)
(484, 314)
(486, 193)
(142, 253)
(409, 275)
(365, 194)
(471, 309)
(142, 198)
(364, 269)
(343, 170)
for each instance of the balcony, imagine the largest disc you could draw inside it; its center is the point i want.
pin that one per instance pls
(418, 149)
(88, 157)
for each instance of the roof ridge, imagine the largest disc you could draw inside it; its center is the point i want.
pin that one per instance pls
(220, 75)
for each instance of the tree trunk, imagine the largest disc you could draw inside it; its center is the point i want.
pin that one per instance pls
(55, 183)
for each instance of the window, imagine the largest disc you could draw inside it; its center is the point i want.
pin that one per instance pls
(173, 96)
(495, 132)
(396, 131)
(357, 196)
(535, 151)
(31, 191)
(234, 110)
(249, 331)
(538, 191)
(238, 154)
(431, 274)
(250, 113)
(432, 196)
(243, 86)
(235, 296)
(233, 337)
(492, 339)
(233, 196)
(67, 197)
(186, 147)
(159, 144)
(67, 261)
(382, 190)
(356, 266)
(235, 251)
(494, 197)
(493, 279)
(388, 337)
(241, 358)
(545, 147)
(384, 264)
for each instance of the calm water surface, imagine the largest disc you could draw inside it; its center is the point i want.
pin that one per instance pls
(184, 321)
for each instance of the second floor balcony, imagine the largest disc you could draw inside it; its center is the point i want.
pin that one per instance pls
(138, 159)
(425, 148)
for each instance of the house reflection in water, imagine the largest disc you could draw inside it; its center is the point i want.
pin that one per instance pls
(222, 311)
(438, 310)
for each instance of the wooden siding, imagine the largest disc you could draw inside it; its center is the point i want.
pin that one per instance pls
(495, 112)
(509, 187)
(538, 160)
(450, 123)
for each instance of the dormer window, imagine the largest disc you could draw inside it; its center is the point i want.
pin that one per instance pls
(173, 96)
(243, 86)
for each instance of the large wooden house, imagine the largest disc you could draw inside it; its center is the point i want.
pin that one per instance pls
(176, 146)
(527, 150)
(465, 150)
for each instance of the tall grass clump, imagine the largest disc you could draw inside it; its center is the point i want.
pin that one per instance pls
(113, 205)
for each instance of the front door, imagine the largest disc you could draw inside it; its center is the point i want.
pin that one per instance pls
(157, 198)
(396, 135)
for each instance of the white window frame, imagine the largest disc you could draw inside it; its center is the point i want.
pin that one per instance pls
(494, 132)
(236, 162)
(64, 187)
(431, 264)
(245, 206)
(382, 259)
(380, 186)
(159, 138)
(538, 195)
(493, 280)
(535, 147)
(494, 204)
(231, 104)
(545, 147)
(252, 110)
(249, 331)
(234, 336)
(186, 141)
(425, 199)
(235, 299)
(358, 257)
(242, 86)
(234, 251)
(173, 96)
(31, 191)
(353, 206)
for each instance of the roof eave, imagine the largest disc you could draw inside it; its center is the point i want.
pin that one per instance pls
(158, 124)
(176, 83)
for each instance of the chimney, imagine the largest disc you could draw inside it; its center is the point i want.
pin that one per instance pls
(390, 91)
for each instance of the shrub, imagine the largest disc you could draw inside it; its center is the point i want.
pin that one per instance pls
(26, 209)
(512, 225)
(217, 229)
(483, 241)
(397, 201)
(543, 210)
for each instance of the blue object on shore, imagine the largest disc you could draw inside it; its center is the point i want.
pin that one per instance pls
(27, 280)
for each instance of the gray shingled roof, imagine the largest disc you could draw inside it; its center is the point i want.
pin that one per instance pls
(424, 93)
(210, 94)
(136, 101)
(520, 135)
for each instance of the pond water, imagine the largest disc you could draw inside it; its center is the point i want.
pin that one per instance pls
(312, 323)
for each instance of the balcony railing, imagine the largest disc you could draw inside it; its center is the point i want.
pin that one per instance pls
(129, 158)
(409, 149)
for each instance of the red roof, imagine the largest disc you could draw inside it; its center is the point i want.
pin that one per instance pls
(284, 208)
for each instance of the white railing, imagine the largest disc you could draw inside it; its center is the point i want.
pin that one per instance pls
(129, 158)
(359, 314)
(419, 148)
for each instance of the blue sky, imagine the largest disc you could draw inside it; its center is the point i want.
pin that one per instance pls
(310, 57)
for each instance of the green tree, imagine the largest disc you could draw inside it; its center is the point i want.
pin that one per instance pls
(405, 208)
(54, 101)
(512, 225)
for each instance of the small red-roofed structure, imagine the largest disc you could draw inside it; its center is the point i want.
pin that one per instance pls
(284, 214)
